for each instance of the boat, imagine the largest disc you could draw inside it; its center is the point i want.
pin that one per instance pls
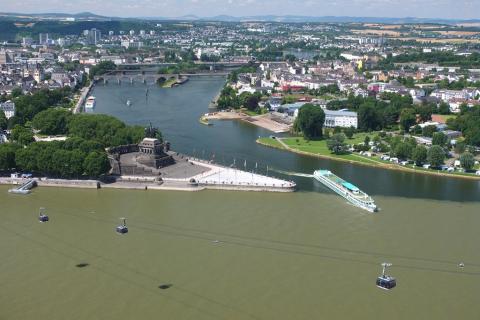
(90, 104)
(345, 189)
(129, 103)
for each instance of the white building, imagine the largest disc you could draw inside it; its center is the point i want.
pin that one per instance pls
(333, 118)
(132, 44)
(8, 108)
(341, 118)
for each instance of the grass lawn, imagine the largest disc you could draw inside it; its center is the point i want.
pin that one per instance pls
(250, 113)
(270, 142)
(319, 147)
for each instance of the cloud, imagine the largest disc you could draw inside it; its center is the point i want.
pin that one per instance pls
(464, 9)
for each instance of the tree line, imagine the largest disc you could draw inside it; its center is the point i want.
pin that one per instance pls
(81, 155)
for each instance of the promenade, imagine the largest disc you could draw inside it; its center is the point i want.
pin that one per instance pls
(187, 174)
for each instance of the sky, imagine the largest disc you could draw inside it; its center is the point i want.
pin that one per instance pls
(452, 9)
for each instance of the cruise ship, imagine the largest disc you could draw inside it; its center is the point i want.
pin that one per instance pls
(347, 190)
(90, 104)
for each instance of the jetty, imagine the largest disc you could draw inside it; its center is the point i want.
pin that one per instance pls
(25, 187)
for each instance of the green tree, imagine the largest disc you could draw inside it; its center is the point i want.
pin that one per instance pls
(310, 121)
(419, 155)
(52, 121)
(428, 131)
(3, 121)
(417, 129)
(368, 117)
(7, 156)
(407, 119)
(460, 147)
(337, 144)
(439, 139)
(467, 160)
(403, 150)
(435, 156)
(349, 132)
(102, 68)
(425, 113)
(26, 159)
(366, 141)
(22, 135)
(96, 164)
(251, 103)
(444, 108)
(107, 130)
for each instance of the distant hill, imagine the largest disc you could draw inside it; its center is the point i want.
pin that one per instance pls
(226, 18)
(54, 16)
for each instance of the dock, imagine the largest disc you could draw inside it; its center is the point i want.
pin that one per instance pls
(25, 187)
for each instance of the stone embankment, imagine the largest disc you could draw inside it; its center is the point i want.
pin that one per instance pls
(211, 176)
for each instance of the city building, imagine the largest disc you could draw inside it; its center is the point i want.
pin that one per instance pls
(43, 38)
(8, 108)
(4, 57)
(93, 36)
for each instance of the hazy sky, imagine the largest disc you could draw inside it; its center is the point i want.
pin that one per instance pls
(463, 9)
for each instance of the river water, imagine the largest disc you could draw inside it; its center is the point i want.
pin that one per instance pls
(238, 255)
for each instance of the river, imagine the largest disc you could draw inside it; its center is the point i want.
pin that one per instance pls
(238, 255)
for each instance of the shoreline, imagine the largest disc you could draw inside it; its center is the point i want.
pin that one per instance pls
(378, 166)
(261, 121)
(84, 92)
(212, 176)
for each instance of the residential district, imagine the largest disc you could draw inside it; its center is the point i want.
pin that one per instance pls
(401, 95)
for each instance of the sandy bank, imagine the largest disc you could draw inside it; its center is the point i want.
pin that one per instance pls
(263, 121)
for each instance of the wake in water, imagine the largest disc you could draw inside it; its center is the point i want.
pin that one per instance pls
(291, 173)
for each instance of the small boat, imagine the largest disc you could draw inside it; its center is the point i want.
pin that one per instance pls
(129, 103)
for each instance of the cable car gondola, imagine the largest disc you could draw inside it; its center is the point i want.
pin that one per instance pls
(42, 217)
(386, 282)
(122, 229)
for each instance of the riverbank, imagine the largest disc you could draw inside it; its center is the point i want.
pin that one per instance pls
(84, 92)
(188, 174)
(278, 143)
(265, 121)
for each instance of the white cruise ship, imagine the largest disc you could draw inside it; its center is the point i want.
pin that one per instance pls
(347, 190)
(90, 104)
